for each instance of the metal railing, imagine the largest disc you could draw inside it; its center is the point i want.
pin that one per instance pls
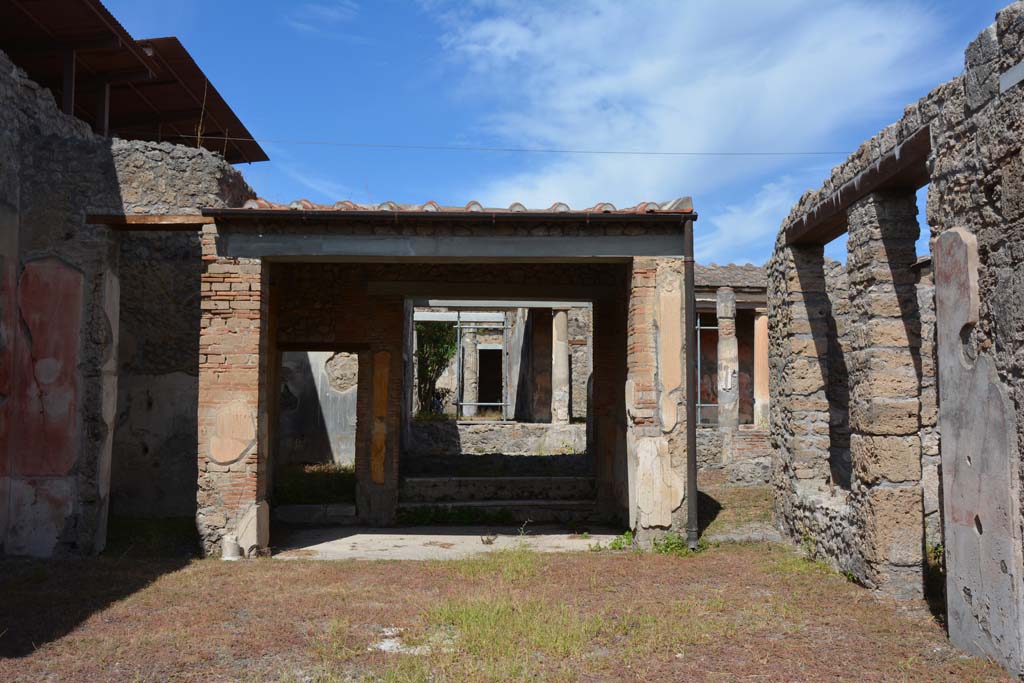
(460, 327)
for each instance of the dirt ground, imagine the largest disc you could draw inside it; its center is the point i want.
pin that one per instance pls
(736, 612)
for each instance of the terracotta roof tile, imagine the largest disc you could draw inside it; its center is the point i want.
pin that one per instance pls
(714, 276)
(681, 205)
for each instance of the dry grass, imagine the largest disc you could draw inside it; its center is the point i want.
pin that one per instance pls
(741, 612)
(735, 507)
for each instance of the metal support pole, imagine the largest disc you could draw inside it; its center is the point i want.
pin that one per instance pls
(458, 367)
(504, 367)
(102, 126)
(68, 84)
(690, 313)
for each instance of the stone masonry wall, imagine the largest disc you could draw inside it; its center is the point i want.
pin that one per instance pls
(58, 325)
(154, 464)
(581, 328)
(931, 466)
(973, 127)
(60, 311)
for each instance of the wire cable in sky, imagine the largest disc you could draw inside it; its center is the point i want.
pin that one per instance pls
(522, 150)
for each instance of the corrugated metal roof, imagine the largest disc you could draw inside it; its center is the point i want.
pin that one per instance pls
(714, 276)
(682, 205)
(156, 89)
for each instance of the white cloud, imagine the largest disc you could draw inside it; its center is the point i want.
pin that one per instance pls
(317, 17)
(789, 75)
(738, 232)
(325, 189)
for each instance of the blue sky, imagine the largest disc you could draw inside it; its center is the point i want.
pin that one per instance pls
(674, 76)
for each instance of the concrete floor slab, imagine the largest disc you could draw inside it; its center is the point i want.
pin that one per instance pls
(426, 543)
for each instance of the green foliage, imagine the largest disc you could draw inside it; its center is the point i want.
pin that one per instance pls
(674, 543)
(319, 484)
(512, 564)
(623, 541)
(808, 545)
(436, 344)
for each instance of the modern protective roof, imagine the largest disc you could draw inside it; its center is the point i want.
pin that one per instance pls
(157, 91)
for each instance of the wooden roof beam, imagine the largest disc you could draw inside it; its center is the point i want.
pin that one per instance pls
(144, 222)
(904, 167)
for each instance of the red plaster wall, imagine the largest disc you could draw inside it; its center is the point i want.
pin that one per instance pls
(8, 320)
(41, 425)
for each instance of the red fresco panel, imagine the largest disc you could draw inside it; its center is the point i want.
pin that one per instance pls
(8, 326)
(44, 428)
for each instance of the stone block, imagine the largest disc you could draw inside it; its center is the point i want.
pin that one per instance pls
(886, 458)
(253, 529)
(930, 474)
(981, 75)
(659, 488)
(805, 376)
(894, 525)
(890, 332)
(882, 374)
(885, 416)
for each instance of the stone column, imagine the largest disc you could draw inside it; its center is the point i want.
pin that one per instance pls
(655, 398)
(470, 372)
(560, 366)
(230, 502)
(761, 368)
(885, 408)
(798, 360)
(728, 362)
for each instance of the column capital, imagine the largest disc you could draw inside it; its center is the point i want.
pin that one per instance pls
(725, 302)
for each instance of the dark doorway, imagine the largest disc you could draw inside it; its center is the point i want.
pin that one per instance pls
(490, 376)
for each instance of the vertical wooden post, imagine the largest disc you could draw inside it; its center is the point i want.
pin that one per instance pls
(102, 125)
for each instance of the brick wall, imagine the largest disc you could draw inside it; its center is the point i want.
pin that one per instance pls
(330, 307)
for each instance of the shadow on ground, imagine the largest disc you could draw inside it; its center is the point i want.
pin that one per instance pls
(44, 600)
(707, 510)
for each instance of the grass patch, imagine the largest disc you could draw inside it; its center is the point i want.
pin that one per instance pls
(786, 562)
(624, 541)
(737, 507)
(674, 543)
(511, 564)
(503, 639)
(318, 484)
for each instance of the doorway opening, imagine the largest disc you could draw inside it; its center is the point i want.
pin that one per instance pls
(314, 455)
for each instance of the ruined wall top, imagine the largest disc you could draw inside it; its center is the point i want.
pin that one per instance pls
(30, 106)
(164, 178)
(150, 177)
(995, 51)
